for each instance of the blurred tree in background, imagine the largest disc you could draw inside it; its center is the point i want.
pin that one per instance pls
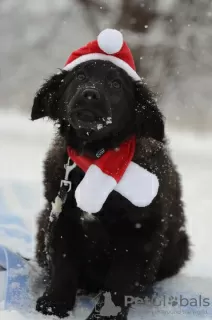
(171, 42)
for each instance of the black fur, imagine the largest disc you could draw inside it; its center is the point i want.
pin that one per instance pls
(122, 249)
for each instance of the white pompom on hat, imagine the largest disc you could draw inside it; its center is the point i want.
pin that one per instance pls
(110, 41)
(109, 46)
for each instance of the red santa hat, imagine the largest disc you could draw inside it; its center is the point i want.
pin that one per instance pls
(109, 46)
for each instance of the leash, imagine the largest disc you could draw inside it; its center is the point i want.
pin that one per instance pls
(57, 206)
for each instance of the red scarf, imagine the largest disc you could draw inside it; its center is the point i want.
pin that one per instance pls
(113, 163)
(114, 170)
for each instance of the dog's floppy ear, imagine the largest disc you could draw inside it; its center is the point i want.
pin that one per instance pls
(149, 119)
(47, 96)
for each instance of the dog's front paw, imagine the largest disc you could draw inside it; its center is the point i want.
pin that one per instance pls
(48, 306)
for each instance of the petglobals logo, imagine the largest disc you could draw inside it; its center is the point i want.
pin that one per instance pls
(165, 301)
(179, 303)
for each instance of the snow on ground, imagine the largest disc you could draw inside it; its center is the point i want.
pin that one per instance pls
(193, 154)
(23, 145)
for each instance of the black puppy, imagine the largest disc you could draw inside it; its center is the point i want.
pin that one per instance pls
(122, 249)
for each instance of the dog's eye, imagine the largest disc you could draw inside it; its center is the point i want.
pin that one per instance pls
(81, 76)
(116, 84)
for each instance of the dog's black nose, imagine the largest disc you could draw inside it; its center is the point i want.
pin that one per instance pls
(91, 94)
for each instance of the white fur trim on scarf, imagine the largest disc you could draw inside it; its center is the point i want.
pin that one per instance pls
(138, 185)
(94, 189)
(100, 56)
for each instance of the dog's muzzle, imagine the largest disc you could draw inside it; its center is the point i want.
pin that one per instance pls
(88, 109)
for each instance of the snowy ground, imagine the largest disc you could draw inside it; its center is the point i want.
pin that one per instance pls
(23, 145)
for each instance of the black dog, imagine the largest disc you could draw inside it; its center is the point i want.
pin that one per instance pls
(123, 249)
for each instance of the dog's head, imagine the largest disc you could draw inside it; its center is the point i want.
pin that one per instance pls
(98, 100)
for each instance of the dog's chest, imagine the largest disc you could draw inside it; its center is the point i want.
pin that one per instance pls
(98, 242)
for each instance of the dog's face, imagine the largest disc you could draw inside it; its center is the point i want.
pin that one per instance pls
(97, 100)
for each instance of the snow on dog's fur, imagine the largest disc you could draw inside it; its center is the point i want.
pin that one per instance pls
(123, 249)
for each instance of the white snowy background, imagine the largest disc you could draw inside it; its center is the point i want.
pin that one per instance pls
(37, 39)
